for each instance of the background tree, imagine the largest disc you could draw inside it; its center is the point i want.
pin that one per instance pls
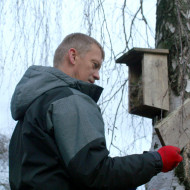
(4, 141)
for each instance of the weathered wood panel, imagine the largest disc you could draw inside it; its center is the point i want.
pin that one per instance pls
(135, 55)
(155, 81)
(175, 128)
(148, 81)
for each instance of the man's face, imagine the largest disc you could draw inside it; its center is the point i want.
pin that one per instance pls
(87, 66)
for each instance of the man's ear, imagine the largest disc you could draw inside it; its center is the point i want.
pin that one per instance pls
(72, 55)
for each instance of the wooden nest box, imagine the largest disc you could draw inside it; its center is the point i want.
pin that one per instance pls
(148, 81)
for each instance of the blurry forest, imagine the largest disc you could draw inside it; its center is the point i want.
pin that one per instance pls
(30, 31)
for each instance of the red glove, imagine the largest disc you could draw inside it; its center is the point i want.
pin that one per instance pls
(170, 157)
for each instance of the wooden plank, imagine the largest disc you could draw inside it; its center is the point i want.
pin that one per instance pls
(175, 128)
(155, 81)
(152, 51)
(134, 55)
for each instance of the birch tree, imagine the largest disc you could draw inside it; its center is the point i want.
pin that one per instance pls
(173, 33)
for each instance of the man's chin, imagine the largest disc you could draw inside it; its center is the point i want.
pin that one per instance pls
(92, 82)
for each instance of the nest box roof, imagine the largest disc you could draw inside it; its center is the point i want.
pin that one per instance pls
(135, 55)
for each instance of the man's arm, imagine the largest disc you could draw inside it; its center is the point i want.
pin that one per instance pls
(79, 133)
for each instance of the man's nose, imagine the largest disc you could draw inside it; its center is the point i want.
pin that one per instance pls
(96, 75)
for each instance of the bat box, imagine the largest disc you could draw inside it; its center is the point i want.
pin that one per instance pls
(148, 81)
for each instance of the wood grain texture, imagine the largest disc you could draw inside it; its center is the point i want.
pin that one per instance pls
(175, 128)
(155, 81)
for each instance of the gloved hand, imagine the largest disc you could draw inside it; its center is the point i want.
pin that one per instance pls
(170, 157)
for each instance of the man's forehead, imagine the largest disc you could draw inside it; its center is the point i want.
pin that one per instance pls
(97, 49)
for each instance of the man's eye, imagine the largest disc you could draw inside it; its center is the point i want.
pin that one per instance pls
(95, 65)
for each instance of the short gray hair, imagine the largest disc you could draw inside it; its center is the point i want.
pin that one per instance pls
(81, 42)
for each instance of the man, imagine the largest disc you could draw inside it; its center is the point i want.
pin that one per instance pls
(59, 142)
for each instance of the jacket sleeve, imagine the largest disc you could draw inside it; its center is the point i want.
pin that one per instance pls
(79, 133)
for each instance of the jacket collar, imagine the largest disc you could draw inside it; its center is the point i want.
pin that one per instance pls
(92, 90)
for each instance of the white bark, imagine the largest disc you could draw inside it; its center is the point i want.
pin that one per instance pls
(163, 181)
(172, 32)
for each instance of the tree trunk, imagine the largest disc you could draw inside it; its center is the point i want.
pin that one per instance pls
(173, 33)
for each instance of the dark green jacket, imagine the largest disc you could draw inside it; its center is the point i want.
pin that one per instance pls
(59, 142)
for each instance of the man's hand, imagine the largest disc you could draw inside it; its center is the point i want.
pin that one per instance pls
(170, 157)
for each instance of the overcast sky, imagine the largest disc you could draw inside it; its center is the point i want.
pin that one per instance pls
(23, 29)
